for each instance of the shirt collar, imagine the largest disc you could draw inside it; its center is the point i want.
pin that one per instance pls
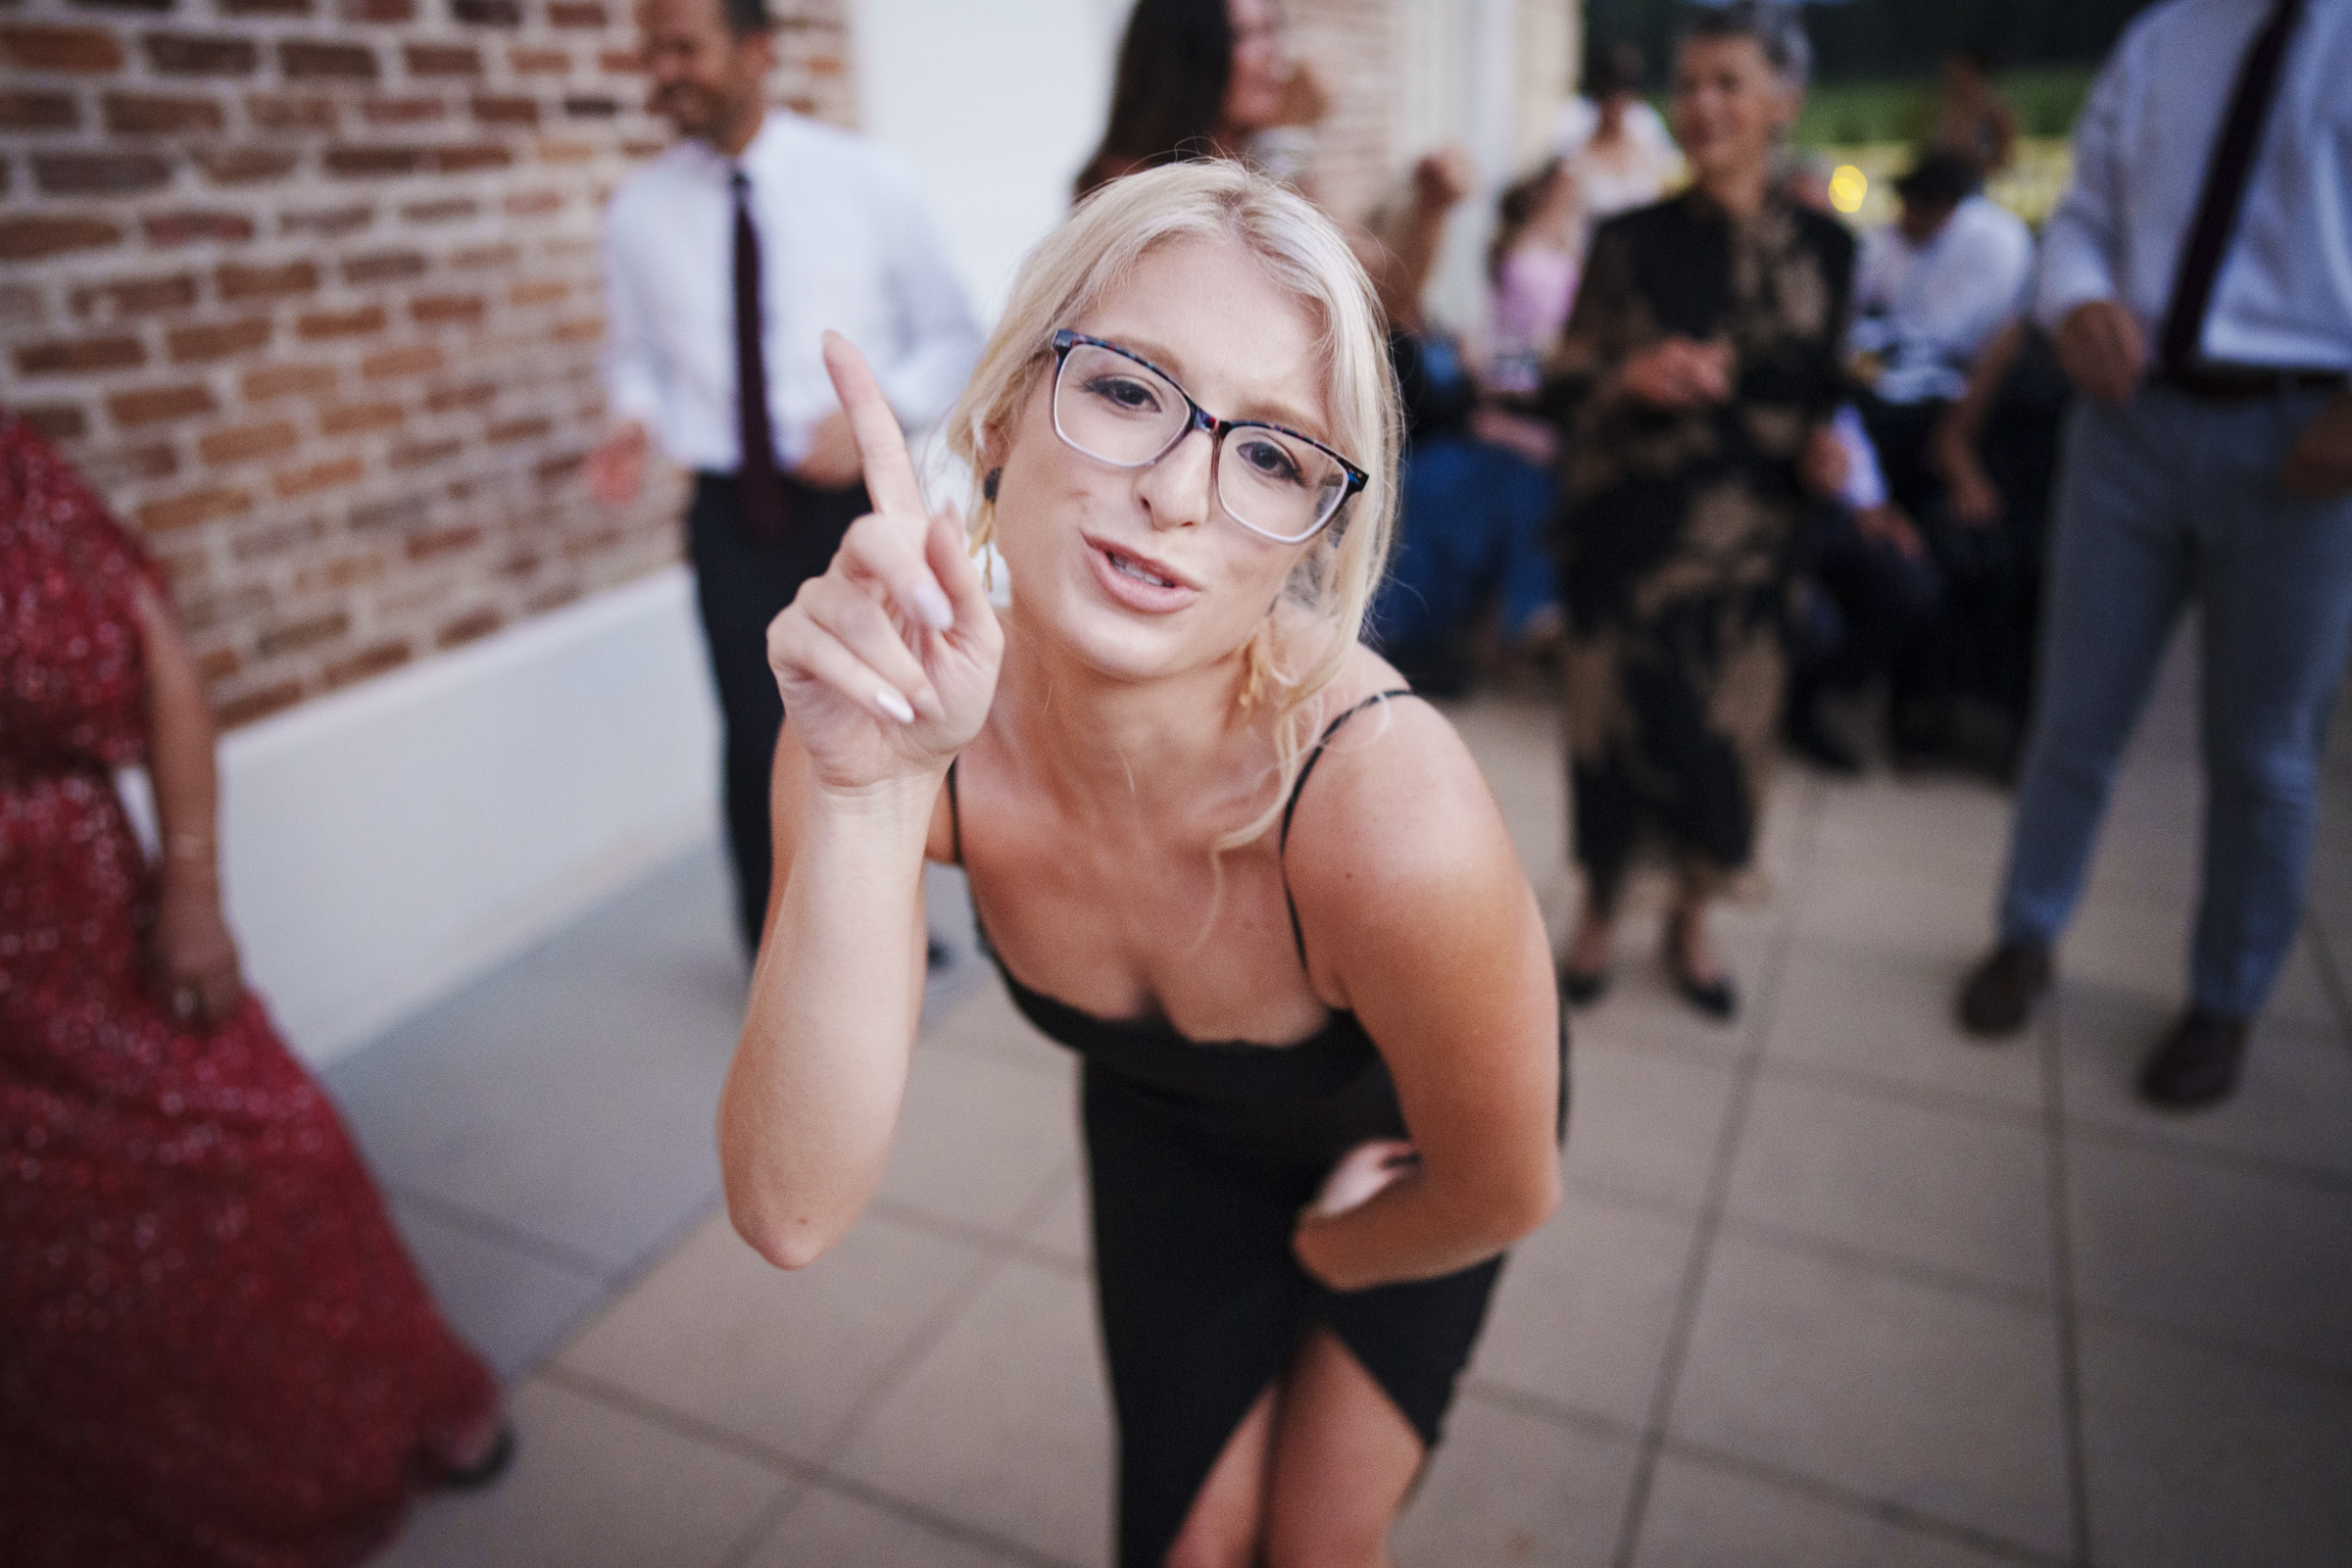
(758, 154)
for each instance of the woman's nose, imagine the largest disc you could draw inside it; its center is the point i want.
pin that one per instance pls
(1179, 487)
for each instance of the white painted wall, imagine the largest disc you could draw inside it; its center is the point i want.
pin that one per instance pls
(995, 103)
(383, 844)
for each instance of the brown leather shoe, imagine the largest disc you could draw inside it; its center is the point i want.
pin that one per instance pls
(2196, 1063)
(1999, 994)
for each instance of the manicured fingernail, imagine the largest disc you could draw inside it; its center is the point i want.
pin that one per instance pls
(896, 706)
(933, 606)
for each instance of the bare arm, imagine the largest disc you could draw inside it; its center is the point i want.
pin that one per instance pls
(195, 958)
(1953, 450)
(887, 665)
(1417, 914)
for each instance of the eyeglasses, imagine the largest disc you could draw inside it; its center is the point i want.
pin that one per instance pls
(1119, 408)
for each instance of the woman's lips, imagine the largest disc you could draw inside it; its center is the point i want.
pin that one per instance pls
(1137, 581)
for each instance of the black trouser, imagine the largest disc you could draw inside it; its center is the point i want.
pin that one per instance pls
(1867, 610)
(741, 582)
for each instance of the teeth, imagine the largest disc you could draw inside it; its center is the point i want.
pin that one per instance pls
(1130, 568)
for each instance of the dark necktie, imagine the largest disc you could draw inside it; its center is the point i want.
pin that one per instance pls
(758, 487)
(2224, 191)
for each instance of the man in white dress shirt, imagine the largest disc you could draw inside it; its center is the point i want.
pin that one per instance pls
(2199, 276)
(726, 260)
(1932, 287)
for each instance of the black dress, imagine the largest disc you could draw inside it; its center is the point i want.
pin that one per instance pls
(1678, 524)
(1200, 1155)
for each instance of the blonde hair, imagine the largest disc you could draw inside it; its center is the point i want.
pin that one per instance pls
(1305, 255)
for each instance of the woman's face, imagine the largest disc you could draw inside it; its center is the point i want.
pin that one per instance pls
(1084, 541)
(1253, 92)
(1730, 106)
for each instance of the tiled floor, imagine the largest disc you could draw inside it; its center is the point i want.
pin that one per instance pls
(1833, 1287)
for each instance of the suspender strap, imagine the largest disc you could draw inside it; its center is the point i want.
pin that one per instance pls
(1290, 808)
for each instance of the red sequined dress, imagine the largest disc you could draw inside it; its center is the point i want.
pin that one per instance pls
(213, 1348)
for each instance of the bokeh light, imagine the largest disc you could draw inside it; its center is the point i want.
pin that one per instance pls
(1849, 187)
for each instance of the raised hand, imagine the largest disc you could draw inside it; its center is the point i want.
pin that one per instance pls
(1680, 373)
(888, 662)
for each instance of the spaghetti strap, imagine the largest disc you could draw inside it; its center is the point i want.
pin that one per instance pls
(955, 813)
(1290, 808)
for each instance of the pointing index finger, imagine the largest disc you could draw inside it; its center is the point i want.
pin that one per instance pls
(881, 444)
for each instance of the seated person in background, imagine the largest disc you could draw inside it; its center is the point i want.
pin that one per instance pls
(1868, 593)
(1616, 146)
(1475, 493)
(1532, 264)
(1931, 289)
(1996, 452)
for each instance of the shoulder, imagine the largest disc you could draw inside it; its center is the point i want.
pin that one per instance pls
(1573, 126)
(1649, 127)
(1393, 815)
(1993, 224)
(2172, 20)
(1641, 226)
(668, 171)
(815, 146)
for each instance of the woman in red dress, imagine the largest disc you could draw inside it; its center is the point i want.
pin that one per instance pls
(213, 1348)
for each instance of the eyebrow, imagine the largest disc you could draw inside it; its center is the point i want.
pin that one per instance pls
(1271, 412)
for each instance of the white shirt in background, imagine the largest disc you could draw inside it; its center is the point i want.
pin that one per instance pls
(844, 243)
(1633, 174)
(2284, 297)
(1926, 310)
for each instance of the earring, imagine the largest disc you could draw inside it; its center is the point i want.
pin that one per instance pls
(988, 486)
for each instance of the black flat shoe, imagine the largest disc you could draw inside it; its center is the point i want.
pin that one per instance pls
(1582, 990)
(486, 1470)
(2196, 1063)
(1714, 998)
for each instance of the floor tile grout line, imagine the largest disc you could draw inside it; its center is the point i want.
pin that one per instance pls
(620, 1283)
(1557, 1412)
(766, 1523)
(926, 1337)
(1710, 1216)
(1868, 1260)
(2239, 1162)
(813, 1473)
(982, 1238)
(2065, 1317)
(2284, 1362)
(504, 1232)
(1862, 1082)
(1913, 1519)
(2332, 979)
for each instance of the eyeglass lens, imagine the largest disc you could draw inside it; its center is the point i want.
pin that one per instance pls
(1117, 409)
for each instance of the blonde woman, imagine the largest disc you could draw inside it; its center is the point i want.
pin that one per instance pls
(1266, 899)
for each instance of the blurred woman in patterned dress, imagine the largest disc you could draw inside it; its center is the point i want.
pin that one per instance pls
(213, 1348)
(1700, 367)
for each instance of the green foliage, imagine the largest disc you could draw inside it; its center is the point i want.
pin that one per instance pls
(1852, 114)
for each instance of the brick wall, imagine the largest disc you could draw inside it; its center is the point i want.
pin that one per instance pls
(1353, 44)
(309, 289)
